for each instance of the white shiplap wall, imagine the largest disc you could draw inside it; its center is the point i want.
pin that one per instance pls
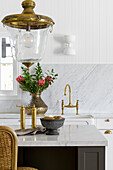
(90, 20)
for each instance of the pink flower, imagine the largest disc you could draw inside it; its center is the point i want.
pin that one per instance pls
(49, 79)
(41, 82)
(20, 79)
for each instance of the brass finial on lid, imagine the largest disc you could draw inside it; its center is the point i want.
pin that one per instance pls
(28, 6)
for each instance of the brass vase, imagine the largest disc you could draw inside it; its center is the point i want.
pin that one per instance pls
(36, 100)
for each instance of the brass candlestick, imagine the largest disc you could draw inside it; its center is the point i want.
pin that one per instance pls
(22, 116)
(33, 115)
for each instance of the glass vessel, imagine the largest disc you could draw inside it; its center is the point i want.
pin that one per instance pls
(28, 46)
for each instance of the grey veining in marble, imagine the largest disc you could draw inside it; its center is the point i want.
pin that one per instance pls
(92, 84)
(68, 136)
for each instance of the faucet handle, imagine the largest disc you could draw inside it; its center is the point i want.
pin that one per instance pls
(19, 106)
(77, 107)
(30, 106)
(77, 101)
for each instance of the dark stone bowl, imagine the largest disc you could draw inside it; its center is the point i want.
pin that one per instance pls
(52, 125)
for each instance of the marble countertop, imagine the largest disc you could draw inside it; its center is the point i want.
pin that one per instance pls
(69, 116)
(69, 136)
(96, 115)
(103, 115)
(9, 115)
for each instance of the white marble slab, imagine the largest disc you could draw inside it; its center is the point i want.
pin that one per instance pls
(92, 84)
(67, 115)
(103, 116)
(69, 136)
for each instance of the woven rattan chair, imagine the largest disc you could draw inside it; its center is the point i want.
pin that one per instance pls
(8, 150)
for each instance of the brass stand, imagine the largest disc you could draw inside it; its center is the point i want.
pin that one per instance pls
(28, 65)
(22, 116)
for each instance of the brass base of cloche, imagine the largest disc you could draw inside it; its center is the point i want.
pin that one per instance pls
(28, 64)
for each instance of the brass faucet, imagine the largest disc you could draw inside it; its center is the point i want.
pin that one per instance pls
(69, 105)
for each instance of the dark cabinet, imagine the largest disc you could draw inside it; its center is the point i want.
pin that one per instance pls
(91, 158)
(62, 158)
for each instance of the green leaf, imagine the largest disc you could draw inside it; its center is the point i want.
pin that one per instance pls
(56, 74)
(30, 83)
(52, 70)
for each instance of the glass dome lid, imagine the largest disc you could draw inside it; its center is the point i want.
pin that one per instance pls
(28, 16)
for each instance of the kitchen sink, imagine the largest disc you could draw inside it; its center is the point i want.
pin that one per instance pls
(78, 116)
(78, 119)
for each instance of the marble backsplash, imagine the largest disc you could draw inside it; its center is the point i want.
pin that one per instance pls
(92, 84)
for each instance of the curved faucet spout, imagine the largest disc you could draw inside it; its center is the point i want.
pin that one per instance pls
(69, 93)
(69, 105)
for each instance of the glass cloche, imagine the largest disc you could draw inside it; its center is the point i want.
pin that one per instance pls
(29, 32)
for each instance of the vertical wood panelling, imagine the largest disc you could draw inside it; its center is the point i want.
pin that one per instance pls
(95, 30)
(103, 31)
(81, 29)
(88, 30)
(110, 32)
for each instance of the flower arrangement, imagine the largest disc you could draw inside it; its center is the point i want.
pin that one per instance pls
(38, 82)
